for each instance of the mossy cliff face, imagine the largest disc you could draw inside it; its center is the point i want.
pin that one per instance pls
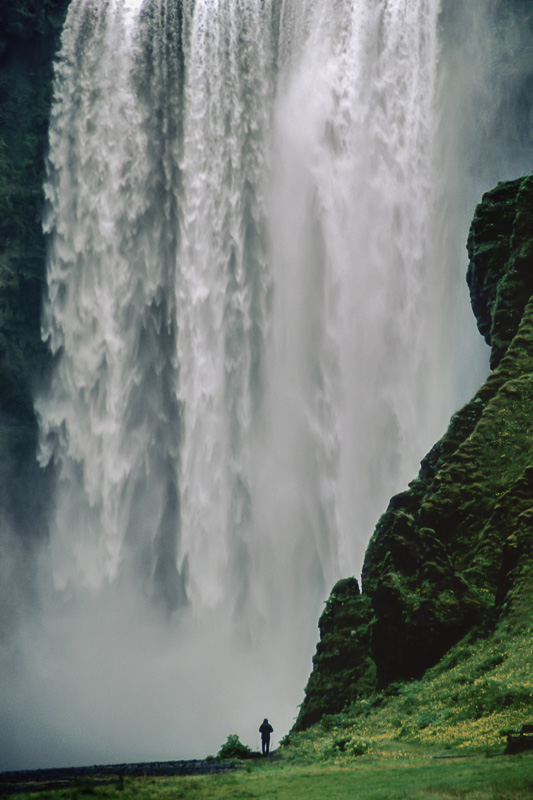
(342, 658)
(29, 36)
(500, 277)
(453, 554)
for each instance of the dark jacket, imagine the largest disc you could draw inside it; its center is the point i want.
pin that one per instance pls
(265, 730)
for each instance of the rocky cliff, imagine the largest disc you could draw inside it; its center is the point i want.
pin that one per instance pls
(29, 36)
(452, 555)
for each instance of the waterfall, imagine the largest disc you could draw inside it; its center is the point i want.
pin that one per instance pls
(240, 290)
(249, 302)
(357, 328)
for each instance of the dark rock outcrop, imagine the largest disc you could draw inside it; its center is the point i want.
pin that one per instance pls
(342, 659)
(500, 274)
(453, 553)
(29, 36)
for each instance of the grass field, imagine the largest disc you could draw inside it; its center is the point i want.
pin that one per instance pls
(401, 777)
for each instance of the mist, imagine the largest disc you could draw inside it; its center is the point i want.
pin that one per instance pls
(259, 322)
(108, 681)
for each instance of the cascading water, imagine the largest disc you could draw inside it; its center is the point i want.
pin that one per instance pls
(249, 307)
(111, 418)
(217, 299)
(356, 275)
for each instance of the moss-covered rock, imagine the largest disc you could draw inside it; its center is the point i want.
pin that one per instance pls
(453, 553)
(500, 273)
(343, 663)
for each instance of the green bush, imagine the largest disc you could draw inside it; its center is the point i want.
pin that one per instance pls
(348, 745)
(425, 719)
(331, 721)
(234, 748)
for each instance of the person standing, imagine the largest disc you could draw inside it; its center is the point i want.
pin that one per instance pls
(265, 730)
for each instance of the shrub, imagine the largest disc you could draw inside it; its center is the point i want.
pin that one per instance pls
(425, 719)
(347, 745)
(409, 704)
(330, 721)
(234, 748)
(357, 746)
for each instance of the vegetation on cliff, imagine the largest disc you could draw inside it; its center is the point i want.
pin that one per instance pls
(451, 556)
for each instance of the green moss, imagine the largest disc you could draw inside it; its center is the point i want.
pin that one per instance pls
(343, 667)
(483, 686)
(500, 273)
(452, 555)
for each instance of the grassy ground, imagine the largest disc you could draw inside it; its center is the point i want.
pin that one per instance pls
(466, 704)
(364, 778)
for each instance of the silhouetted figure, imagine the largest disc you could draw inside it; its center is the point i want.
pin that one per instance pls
(265, 730)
